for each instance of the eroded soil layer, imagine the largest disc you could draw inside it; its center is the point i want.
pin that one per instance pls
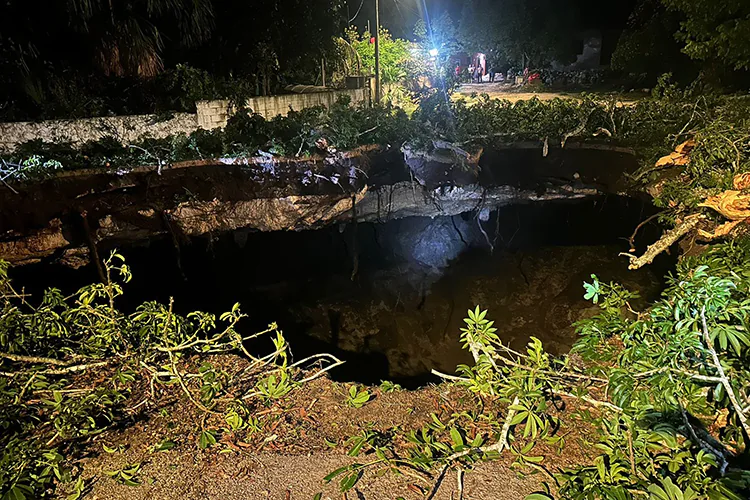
(64, 217)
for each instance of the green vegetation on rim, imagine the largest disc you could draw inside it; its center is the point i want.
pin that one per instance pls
(651, 385)
(48, 413)
(652, 127)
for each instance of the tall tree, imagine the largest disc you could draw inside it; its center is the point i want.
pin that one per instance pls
(533, 31)
(284, 44)
(648, 46)
(120, 37)
(444, 36)
(715, 31)
(394, 54)
(128, 36)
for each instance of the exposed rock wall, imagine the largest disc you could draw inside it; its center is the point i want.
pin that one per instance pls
(31, 248)
(296, 213)
(288, 213)
(210, 197)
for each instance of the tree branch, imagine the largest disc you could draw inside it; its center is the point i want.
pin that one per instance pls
(32, 359)
(724, 380)
(666, 241)
(498, 447)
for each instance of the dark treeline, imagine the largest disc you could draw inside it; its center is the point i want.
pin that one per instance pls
(94, 57)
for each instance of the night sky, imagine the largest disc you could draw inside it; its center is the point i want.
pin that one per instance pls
(399, 16)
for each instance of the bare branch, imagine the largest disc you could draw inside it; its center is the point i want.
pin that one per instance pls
(666, 241)
(32, 359)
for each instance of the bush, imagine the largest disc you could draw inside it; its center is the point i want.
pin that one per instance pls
(48, 411)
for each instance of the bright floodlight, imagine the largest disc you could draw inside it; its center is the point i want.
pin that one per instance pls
(433, 52)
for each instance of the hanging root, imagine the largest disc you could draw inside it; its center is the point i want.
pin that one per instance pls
(93, 252)
(486, 237)
(631, 240)
(663, 243)
(577, 131)
(175, 241)
(478, 217)
(355, 250)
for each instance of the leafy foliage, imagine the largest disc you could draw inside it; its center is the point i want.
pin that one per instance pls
(647, 47)
(247, 134)
(517, 32)
(357, 398)
(394, 54)
(715, 31)
(649, 385)
(665, 379)
(45, 414)
(92, 57)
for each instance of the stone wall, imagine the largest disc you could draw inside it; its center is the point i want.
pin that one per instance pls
(213, 114)
(126, 128)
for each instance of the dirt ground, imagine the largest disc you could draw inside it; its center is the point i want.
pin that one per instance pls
(284, 477)
(301, 440)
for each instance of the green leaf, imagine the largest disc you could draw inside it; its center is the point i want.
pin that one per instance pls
(337, 472)
(437, 422)
(18, 492)
(164, 445)
(207, 438)
(350, 480)
(354, 451)
(458, 441)
(519, 417)
(234, 420)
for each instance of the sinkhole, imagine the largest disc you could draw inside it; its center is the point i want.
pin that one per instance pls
(390, 298)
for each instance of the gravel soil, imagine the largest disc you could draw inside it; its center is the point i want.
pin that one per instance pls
(301, 439)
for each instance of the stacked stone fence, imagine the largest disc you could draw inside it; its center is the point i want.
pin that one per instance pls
(128, 129)
(213, 114)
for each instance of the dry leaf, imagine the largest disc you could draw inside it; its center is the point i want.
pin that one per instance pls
(415, 488)
(679, 157)
(731, 204)
(673, 159)
(721, 418)
(720, 231)
(741, 181)
(686, 147)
